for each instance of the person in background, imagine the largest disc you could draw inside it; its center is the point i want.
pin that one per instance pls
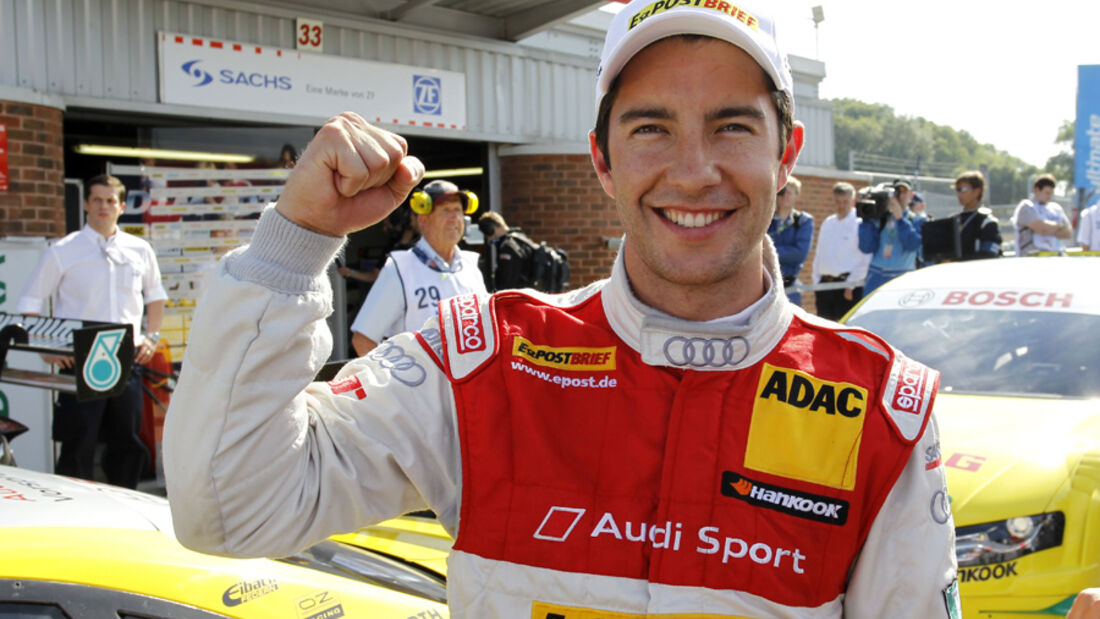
(506, 260)
(893, 242)
(979, 230)
(413, 281)
(838, 258)
(104, 274)
(917, 205)
(919, 208)
(288, 156)
(1088, 228)
(792, 232)
(1040, 223)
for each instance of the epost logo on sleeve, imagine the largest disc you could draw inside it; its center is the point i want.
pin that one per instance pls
(572, 358)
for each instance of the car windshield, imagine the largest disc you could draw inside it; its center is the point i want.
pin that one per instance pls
(997, 352)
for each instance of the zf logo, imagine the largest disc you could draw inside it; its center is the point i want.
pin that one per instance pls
(427, 95)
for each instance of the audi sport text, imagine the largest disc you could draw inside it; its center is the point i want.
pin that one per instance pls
(670, 536)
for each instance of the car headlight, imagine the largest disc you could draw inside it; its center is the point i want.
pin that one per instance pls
(1004, 540)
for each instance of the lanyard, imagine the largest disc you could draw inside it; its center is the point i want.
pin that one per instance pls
(433, 264)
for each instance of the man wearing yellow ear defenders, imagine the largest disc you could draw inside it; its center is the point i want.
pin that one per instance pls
(413, 281)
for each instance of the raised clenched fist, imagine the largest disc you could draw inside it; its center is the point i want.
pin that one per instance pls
(350, 176)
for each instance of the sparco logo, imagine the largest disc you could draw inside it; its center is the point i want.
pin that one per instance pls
(909, 396)
(248, 590)
(800, 504)
(987, 572)
(702, 352)
(467, 322)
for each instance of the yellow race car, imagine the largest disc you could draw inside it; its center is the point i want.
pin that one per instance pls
(72, 549)
(1019, 416)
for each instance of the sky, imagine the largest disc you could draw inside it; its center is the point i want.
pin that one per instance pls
(1004, 71)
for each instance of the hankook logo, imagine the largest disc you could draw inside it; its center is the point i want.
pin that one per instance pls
(784, 500)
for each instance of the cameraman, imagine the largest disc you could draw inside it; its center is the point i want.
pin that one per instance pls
(892, 238)
(506, 262)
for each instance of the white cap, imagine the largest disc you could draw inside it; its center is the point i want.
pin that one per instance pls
(645, 21)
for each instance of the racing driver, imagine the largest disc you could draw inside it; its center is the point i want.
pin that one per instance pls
(675, 441)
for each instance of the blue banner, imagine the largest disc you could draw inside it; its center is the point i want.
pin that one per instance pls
(1086, 171)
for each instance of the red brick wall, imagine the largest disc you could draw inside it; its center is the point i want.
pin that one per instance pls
(34, 204)
(558, 199)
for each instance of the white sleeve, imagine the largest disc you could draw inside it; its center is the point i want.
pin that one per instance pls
(907, 566)
(1084, 230)
(816, 269)
(41, 285)
(259, 461)
(383, 311)
(152, 288)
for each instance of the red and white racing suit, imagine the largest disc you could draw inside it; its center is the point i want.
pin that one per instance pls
(592, 457)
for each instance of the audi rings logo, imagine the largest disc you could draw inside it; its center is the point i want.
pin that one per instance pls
(467, 322)
(703, 352)
(941, 507)
(402, 367)
(197, 73)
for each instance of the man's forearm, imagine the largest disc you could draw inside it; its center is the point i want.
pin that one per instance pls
(154, 316)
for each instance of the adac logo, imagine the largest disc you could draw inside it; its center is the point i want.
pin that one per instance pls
(427, 95)
(784, 500)
(202, 76)
(803, 391)
(102, 368)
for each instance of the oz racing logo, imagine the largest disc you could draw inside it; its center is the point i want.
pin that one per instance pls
(202, 76)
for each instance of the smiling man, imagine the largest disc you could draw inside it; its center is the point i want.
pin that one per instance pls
(678, 440)
(414, 280)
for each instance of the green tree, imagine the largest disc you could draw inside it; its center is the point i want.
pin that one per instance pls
(1062, 164)
(875, 129)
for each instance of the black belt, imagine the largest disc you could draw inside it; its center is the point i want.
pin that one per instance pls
(787, 281)
(843, 277)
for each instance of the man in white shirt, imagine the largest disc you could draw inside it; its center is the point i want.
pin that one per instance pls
(413, 281)
(838, 258)
(1088, 229)
(1041, 224)
(104, 274)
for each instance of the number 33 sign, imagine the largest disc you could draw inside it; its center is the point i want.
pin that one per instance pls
(310, 35)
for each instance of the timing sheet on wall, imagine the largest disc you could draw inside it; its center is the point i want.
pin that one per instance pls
(192, 217)
(254, 78)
